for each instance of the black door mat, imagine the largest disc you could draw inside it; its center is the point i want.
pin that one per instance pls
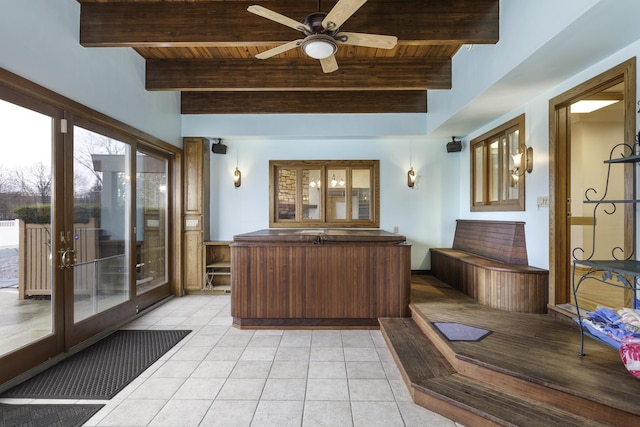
(46, 415)
(101, 370)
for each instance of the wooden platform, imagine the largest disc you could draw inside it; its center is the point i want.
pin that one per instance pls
(525, 373)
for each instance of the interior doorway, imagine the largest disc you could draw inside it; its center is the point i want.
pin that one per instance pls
(580, 142)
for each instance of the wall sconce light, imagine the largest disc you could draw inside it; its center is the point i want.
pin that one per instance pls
(523, 156)
(237, 178)
(411, 178)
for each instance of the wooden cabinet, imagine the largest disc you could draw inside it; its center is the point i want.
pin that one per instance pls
(196, 211)
(312, 278)
(217, 264)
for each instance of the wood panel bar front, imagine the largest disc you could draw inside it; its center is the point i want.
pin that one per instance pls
(288, 278)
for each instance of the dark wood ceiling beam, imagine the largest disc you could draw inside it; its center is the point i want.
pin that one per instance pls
(303, 102)
(298, 74)
(224, 23)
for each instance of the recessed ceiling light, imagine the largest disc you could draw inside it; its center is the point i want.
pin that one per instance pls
(588, 106)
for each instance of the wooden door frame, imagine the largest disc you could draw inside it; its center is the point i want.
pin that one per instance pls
(559, 136)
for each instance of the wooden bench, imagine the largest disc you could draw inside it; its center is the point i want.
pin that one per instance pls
(488, 261)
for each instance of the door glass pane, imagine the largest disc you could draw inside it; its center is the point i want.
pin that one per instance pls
(478, 179)
(151, 222)
(311, 194)
(25, 226)
(101, 222)
(287, 188)
(361, 193)
(504, 173)
(336, 195)
(494, 170)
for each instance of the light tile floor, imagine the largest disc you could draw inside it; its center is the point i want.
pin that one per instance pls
(222, 376)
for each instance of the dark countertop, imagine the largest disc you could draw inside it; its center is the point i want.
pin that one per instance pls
(320, 236)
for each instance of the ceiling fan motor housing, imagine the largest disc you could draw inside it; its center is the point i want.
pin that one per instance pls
(314, 21)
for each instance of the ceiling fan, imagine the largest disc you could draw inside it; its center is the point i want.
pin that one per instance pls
(323, 35)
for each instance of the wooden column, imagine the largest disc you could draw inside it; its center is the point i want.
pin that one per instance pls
(196, 211)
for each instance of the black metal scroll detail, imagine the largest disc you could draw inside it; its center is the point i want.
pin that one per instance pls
(609, 208)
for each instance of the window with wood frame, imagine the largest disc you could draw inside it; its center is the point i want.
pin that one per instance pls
(497, 184)
(319, 193)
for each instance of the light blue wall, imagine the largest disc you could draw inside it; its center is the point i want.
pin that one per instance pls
(253, 140)
(418, 213)
(546, 47)
(39, 40)
(600, 36)
(537, 136)
(304, 125)
(542, 44)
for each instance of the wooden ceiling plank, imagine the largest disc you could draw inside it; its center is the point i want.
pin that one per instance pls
(304, 102)
(298, 74)
(221, 23)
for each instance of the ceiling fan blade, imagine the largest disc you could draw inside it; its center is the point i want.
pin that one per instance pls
(329, 64)
(281, 19)
(341, 12)
(367, 40)
(278, 50)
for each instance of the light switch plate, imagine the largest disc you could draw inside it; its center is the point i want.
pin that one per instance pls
(543, 201)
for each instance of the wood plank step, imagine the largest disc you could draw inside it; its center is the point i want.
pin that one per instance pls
(546, 369)
(531, 355)
(501, 407)
(436, 385)
(421, 360)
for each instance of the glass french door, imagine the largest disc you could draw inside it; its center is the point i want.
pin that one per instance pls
(31, 300)
(99, 243)
(116, 229)
(84, 213)
(151, 221)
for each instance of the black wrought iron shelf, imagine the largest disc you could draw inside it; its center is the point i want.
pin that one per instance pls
(597, 338)
(626, 272)
(611, 201)
(628, 267)
(628, 159)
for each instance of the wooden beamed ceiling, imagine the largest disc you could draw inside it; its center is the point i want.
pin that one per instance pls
(206, 50)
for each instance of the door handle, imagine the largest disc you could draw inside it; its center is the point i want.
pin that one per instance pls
(72, 258)
(68, 258)
(64, 258)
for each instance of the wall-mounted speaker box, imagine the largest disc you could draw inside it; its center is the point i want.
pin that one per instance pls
(454, 146)
(219, 148)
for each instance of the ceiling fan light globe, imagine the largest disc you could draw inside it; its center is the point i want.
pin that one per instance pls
(319, 46)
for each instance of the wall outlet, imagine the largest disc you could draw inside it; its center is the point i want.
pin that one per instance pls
(543, 201)
(396, 229)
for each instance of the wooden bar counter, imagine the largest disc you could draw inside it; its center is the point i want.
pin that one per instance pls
(290, 278)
